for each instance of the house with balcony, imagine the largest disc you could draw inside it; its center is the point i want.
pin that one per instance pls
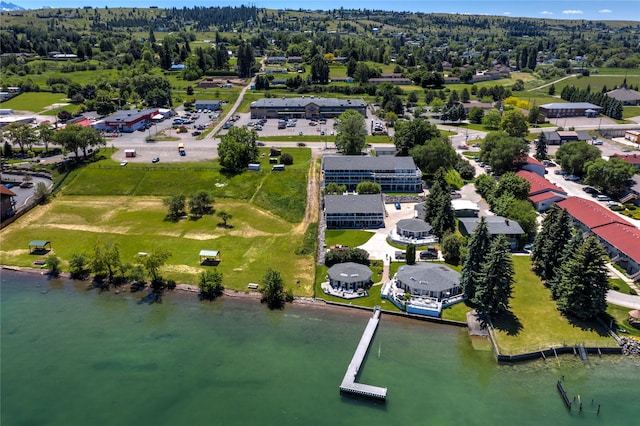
(354, 211)
(393, 174)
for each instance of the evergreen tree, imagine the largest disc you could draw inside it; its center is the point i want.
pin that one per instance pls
(541, 147)
(583, 284)
(567, 253)
(477, 250)
(496, 279)
(411, 254)
(550, 243)
(439, 212)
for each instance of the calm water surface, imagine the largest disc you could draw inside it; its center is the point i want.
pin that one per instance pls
(72, 356)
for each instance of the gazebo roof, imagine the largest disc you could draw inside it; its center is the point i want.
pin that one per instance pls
(414, 225)
(209, 253)
(433, 277)
(39, 243)
(349, 272)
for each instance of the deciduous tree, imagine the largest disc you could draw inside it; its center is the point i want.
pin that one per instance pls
(273, 290)
(210, 284)
(351, 133)
(237, 149)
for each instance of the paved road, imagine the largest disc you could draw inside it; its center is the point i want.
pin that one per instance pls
(621, 299)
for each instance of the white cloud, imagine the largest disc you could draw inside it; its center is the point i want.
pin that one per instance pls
(546, 12)
(605, 11)
(572, 12)
(506, 13)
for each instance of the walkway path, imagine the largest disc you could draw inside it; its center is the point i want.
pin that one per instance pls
(623, 277)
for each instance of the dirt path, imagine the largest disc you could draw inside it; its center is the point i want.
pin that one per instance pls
(313, 190)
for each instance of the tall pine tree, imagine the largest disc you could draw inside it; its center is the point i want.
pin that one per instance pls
(569, 250)
(496, 283)
(477, 251)
(549, 244)
(583, 284)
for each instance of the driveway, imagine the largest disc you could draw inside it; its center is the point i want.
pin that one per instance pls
(621, 299)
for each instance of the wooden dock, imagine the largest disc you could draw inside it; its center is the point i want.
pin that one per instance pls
(349, 384)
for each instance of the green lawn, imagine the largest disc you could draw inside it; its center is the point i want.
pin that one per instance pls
(620, 315)
(255, 241)
(349, 238)
(534, 322)
(284, 194)
(34, 101)
(373, 299)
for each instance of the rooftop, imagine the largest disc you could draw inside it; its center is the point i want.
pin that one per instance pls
(623, 237)
(590, 213)
(414, 225)
(361, 162)
(349, 272)
(302, 102)
(354, 204)
(571, 105)
(431, 276)
(497, 225)
(538, 183)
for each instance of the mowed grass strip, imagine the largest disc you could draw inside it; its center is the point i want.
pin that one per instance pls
(536, 323)
(346, 237)
(256, 240)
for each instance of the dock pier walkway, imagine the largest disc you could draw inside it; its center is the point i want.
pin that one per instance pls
(349, 384)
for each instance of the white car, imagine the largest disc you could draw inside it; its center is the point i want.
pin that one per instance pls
(124, 163)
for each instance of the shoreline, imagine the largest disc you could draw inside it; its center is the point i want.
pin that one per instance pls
(183, 290)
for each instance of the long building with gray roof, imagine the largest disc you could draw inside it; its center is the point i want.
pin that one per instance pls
(354, 211)
(305, 107)
(393, 174)
(497, 225)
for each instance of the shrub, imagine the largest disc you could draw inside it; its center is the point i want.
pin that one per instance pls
(286, 159)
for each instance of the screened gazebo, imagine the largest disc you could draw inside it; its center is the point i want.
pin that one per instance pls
(39, 246)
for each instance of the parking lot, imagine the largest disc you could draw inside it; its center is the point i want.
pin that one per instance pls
(301, 126)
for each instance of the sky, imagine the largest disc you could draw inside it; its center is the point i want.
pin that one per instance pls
(571, 9)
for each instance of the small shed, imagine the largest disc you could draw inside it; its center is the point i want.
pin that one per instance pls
(209, 257)
(39, 246)
(254, 166)
(129, 153)
(278, 168)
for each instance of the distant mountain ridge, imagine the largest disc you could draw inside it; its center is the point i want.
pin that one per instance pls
(9, 6)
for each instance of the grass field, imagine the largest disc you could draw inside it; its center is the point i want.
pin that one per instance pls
(255, 241)
(284, 194)
(34, 101)
(349, 238)
(534, 322)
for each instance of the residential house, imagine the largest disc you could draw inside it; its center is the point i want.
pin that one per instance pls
(7, 203)
(542, 193)
(631, 159)
(497, 225)
(620, 238)
(393, 174)
(354, 211)
(349, 276)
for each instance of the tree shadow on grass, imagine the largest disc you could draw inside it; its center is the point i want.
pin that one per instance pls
(592, 324)
(508, 322)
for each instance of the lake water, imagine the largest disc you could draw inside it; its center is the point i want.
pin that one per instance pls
(72, 356)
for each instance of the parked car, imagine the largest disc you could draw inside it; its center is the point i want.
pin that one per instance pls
(8, 185)
(398, 206)
(124, 163)
(589, 190)
(598, 143)
(196, 133)
(155, 160)
(528, 246)
(426, 254)
(302, 144)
